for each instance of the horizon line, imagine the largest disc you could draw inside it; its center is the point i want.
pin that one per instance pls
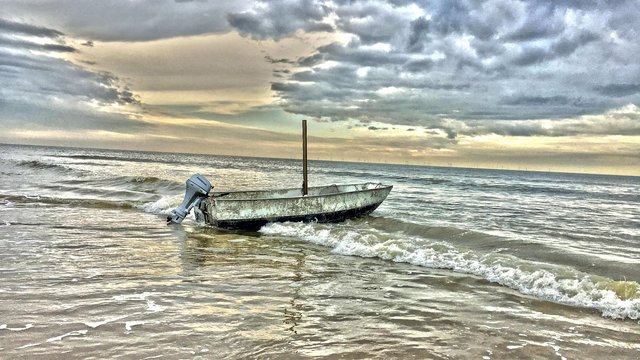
(328, 160)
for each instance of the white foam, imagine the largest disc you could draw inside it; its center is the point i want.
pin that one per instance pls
(93, 274)
(95, 324)
(151, 305)
(542, 281)
(162, 206)
(26, 327)
(130, 324)
(72, 333)
(134, 297)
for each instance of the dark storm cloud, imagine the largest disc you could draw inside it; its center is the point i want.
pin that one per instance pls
(356, 54)
(376, 128)
(27, 29)
(567, 45)
(311, 60)
(403, 61)
(561, 47)
(7, 42)
(10, 31)
(417, 66)
(624, 121)
(111, 20)
(419, 29)
(426, 141)
(371, 21)
(277, 19)
(531, 55)
(450, 18)
(618, 90)
(420, 63)
(284, 87)
(540, 100)
(272, 60)
(541, 22)
(41, 91)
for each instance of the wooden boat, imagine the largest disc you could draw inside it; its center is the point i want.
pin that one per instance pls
(253, 209)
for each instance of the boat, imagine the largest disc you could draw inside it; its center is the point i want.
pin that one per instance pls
(250, 210)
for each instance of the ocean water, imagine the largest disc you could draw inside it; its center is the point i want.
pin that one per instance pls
(455, 264)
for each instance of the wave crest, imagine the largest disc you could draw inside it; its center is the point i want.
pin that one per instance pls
(36, 164)
(86, 203)
(563, 285)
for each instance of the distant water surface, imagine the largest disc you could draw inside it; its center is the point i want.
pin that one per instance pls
(456, 263)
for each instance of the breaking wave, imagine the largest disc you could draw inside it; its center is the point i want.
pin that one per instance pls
(36, 164)
(146, 179)
(162, 206)
(86, 203)
(119, 158)
(563, 285)
(125, 183)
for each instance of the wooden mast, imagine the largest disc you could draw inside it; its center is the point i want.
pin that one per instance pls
(304, 158)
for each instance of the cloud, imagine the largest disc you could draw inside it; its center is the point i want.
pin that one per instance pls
(443, 72)
(277, 19)
(418, 66)
(27, 29)
(12, 35)
(376, 21)
(494, 60)
(12, 43)
(489, 60)
(618, 90)
(418, 34)
(375, 128)
(621, 121)
(311, 60)
(272, 60)
(44, 91)
(541, 23)
(556, 100)
(110, 20)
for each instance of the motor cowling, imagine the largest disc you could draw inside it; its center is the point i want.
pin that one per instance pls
(198, 188)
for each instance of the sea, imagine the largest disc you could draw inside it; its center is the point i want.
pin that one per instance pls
(455, 264)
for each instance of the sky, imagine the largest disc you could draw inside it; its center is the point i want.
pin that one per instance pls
(549, 85)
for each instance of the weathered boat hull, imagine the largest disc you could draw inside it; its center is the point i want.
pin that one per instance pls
(339, 216)
(251, 210)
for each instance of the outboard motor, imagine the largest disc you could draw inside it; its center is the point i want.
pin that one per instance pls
(198, 188)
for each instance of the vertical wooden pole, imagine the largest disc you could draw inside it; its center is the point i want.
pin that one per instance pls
(304, 158)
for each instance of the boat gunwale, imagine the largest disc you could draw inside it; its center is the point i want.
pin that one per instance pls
(216, 199)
